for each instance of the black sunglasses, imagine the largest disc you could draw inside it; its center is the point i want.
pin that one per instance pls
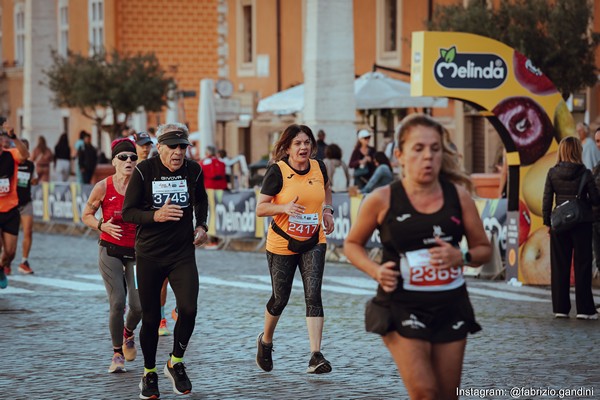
(174, 146)
(124, 157)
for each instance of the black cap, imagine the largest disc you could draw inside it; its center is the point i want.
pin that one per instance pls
(174, 137)
(142, 138)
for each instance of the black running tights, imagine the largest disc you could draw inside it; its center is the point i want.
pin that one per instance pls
(282, 269)
(183, 278)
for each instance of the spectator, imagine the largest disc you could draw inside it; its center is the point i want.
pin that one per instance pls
(214, 170)
(383, 174)
(590, 154)
(337, 170)
(321, 145)
(42, 157)
(79, 144)
(88, 159)
(573, 245)
(62, 158)
(362, 159)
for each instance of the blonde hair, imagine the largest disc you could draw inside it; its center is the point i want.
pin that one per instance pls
(451, 168)
(569, 150)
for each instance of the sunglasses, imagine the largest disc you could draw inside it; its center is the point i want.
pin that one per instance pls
(125, 157)
(174, 146)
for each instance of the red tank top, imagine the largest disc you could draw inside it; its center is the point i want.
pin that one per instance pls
(111, 208)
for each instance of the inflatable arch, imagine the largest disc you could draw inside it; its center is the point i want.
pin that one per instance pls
(528, 113)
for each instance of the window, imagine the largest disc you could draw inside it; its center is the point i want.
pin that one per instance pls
(19, 34)
(63, 27)
(389, 32)
(96, 24)
(246, 33)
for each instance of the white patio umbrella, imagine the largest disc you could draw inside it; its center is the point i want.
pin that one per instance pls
(372, 91)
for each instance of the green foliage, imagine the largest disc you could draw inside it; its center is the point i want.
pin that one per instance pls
(119, 82)
(555, 35)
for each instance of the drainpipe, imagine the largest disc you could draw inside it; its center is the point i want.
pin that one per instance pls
(278, 10)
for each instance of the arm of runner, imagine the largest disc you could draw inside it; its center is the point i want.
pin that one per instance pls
(134, 199)
(201, 203)
(94, 203)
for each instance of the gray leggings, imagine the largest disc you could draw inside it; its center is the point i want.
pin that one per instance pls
(119, 281)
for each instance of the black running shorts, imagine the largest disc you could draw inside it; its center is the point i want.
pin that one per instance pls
(10, 221)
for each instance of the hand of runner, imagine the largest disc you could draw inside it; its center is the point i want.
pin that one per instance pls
(113, 230)
(444, 255)
(328, 222)
(200, 236)
(168, 212)
(387, 276)
(294, 209)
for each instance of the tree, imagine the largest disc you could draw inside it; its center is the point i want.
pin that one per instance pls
(119, 83)
(555, 35)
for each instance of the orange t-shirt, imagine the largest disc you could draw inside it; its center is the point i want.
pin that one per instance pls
(9, 169)
(310, 189)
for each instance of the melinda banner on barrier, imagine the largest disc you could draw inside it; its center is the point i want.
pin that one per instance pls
(232, 214)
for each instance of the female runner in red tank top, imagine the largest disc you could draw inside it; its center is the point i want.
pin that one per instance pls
(116, 252)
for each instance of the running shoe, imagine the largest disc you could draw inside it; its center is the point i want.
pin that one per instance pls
(129, 349)
(178, 377)
(3, 279)
(264, 357)
(561, 315)
(163, 330)
(117, 364)
(587, 316)
(174, 314)
(318, 364)
(24, 268)
(149, 386)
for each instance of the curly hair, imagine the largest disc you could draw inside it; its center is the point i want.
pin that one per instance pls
(286, 139)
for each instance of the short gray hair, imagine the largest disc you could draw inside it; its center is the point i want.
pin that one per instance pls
(173, 126)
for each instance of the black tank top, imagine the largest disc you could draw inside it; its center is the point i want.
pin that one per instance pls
(406, 230)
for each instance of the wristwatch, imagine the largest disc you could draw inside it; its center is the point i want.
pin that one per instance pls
(204, 226)
(100, 222)
(466, 257)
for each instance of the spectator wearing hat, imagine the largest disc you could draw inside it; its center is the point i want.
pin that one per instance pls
(362, 159)
(143, 145)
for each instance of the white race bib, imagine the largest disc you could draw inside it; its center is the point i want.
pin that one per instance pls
(419, 275)
(304, 225)
(4, 186)
(23, 178)
(176, 190)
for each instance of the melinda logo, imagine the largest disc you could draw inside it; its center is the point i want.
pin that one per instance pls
(469, 70)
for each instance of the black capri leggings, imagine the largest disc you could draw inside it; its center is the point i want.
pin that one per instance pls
(183, 278)
(282, 269)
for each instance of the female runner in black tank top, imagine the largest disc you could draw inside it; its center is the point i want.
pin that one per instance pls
(422, 309)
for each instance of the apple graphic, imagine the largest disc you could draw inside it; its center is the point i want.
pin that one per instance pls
(524, 221)
(528, 126)
(564, 124)
(534, 258)
(531, 77)
(532, 185)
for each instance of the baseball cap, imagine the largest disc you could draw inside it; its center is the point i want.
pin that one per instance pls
(142, 138)
(363, 133)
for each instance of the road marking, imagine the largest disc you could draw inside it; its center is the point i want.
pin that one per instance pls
(245, 285)
(498, 294)
(13, 290)
(298, 284)
(58, 283)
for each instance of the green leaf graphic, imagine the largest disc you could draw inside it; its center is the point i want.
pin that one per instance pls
(443, 53)
(450, 54)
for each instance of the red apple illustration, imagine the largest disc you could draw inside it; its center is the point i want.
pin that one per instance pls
(531, 77)
(528, 125)
(524, 222)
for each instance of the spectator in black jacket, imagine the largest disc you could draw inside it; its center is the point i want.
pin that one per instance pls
(88, 159)
(562, 184)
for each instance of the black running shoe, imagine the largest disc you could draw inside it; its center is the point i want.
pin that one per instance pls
(178, 377)
(318, 364)
(149, 386)
(264, 358)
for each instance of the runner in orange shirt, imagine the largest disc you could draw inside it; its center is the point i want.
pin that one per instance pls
(9, 201)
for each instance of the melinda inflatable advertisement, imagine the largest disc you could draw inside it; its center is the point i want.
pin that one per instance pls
(528, 113)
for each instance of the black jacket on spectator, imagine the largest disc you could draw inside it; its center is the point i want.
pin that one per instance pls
(563, 181)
